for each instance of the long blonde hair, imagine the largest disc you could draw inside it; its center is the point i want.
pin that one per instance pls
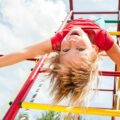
(75, 83)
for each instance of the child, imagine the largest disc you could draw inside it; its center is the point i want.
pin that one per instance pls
(75, 67)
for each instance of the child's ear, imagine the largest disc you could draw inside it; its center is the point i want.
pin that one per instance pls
(95, 48)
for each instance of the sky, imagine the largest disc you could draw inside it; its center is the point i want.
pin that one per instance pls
(26, 22)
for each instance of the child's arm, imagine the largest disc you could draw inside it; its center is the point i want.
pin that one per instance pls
(26, 53)
(114, 53)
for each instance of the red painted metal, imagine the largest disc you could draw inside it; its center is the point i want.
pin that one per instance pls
(109, 90)
(115, 12)
(33, 59)
(109, 73)
(102, 73)
(114, 92)
(65, 21)
(118, 28)
(71, 8)
(11, 113)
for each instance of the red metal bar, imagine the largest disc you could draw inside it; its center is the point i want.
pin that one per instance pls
(109, 90)
(115, 12)
(102, 73)
(71, 8)
(114, 92)
(65, 21)
(118, 28)
(33, 59)
(11, 113)
(109, 73)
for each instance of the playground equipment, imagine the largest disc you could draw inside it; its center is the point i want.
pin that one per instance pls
(18, 102)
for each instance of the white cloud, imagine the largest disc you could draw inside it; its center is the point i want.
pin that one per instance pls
(98, 0)
(24, 22)
(38, 18)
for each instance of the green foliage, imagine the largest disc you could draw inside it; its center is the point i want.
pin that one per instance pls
(50, 116)
(23, 116)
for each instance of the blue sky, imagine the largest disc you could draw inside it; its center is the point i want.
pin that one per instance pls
(25, 22)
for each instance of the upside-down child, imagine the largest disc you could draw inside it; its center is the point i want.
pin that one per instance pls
(75, 67)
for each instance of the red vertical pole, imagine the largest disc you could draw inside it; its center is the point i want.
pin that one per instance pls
(118, 28)
(65, 21)
(11, 113)
(118, 15)
(71, 8)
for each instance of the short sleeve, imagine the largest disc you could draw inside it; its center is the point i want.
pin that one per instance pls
(109, 41)
(57, 39)
(104, 41)
(56, 42)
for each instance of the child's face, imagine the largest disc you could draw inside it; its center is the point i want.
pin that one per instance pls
(75, 46)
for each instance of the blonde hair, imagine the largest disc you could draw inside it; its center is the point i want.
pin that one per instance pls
(75, 83)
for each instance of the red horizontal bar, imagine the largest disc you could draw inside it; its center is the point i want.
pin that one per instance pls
(115, 12)
(107, 90)
(33, 59)
(102, 73)
(109, 73)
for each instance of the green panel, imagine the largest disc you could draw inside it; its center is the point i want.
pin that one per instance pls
(112, 21)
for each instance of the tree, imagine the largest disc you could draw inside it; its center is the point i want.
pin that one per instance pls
(50, 116)
(23, 116)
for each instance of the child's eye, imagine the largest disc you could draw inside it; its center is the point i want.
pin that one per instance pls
(80, 49)
(66, 50)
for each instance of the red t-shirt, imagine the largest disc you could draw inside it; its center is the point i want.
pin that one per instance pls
(100, 37)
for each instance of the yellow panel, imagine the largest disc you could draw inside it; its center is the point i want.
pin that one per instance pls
(115, 33)
(95, 111)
